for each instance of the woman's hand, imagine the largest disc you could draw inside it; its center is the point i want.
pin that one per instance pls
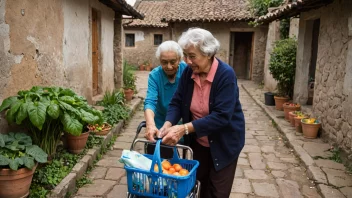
(162, 131)
(151, 132)
(173, 134)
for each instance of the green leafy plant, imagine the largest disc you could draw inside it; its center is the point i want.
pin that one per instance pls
(284, 28)
(129, 79)
(47, 111)
(17, 151)
(283, 65)
(260, 7)
(114, 113)
(112, 98)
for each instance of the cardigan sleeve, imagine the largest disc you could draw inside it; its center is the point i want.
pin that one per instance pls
(152, 94)
(222, 106)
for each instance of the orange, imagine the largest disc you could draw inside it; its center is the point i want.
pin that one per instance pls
(176, 173)
(171, 170)
(183, 172)
(166, 164)
(166, 172)
(156, 168)
(177, 167)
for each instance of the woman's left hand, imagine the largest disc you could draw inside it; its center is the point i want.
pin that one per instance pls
(173, 135)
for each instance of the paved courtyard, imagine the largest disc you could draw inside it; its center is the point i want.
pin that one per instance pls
(266, 167)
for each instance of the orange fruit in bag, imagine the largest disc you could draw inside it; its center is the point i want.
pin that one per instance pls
(183, 172)
(166, 164)
(177, 167)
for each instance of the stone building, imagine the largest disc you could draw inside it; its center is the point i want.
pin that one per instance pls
(75, 44)
(242, 46)
(142, 37)
(324, 54)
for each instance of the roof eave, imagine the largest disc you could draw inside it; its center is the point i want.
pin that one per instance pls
(244, 19)
(122, 7)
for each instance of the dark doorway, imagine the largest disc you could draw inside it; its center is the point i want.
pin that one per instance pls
(313, 60)
(241, 54)
(95, 52)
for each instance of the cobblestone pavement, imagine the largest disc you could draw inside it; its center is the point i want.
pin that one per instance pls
(266, 167)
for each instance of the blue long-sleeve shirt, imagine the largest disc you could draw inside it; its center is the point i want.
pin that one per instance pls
(225, 124)
(160, 92)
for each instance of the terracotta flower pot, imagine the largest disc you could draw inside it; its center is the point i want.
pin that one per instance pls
(291, 116)
(310, 131)
(141, 67)
(128, 94)
(15, 184)
(76, 144)
(279, 101)
(288, 107)
(298, 124)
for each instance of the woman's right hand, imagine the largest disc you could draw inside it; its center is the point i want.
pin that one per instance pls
(150, 132)
(166, 125)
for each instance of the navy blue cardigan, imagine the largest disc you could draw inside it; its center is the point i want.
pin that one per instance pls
(224, 126)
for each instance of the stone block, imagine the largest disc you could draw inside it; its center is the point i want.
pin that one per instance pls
(317, 149)
(255, 174)
(329, 192)
(317, 174)
(119, 191)
(323, 163)
(289, 160)
(93, 152)
(347, 191)
(303, 154)
(239, 172)
(278, 174)
(289, 188)
(270, 157)
(338, 178)
(251, 142)
(121, 145)
(98, 173)
(277, 166)
(242, 161)
(256, 161)
(68, 184)
(251, 149)
(237, 195)
(268, 149)
(123, 180)
(115, 174)
(88, 160)
(265, 190)
(310, 192)
(241, 186)
(80, 168)
(98, 188)
(110, 162)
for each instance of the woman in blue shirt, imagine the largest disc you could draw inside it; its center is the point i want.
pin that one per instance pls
(162, 84)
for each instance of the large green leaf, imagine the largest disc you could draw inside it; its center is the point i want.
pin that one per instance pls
(14, 164)
(54, 110)
(4, 161)
(68, 107)
(11, 114)
(23, 138)
(22, 113)
(28, 162)
(7, 103)
(71, 125)
(68, 99)
(37, 113)
(88, 117)
(67, 92)
(38, 154)
(3, 139)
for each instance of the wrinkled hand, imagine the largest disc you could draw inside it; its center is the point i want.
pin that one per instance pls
(173, 134)
(150, 132)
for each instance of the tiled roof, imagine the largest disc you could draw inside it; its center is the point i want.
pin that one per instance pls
(292, 9)
(122, 7)
(152, 11)
(207, 10)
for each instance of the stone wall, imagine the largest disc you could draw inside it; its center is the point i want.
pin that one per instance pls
(333, 78)
(222, 31)
(144, 49)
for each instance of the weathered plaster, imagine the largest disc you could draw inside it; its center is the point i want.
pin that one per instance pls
(294, 26)
(117, 49)
(273, 35)
(144, 48)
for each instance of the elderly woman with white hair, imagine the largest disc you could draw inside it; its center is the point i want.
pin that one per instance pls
(207, 100)
(162, 84)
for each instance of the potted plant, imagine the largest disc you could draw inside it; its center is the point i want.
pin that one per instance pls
(141, 67)
(129, 81)
(288, 107)
(282, 67)
(99, 129)
(292, 115)
(298, 118)
(310, 127)
(18, 161)
(148, 65)
(269, 99)
(48, 111)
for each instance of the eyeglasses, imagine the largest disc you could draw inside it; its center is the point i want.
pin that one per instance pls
(191, 57)
(166, 62)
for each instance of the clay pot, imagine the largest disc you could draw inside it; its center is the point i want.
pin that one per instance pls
(279, 101)
(291, 116)
(141, 67)
(128, 94)
(76, 144)
(310, 131)
(148, 67)
(15, 184)
(105, 131)
(288, 108)
(298, 124)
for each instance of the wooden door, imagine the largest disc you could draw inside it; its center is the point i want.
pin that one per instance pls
(95, 52)
(241, 53)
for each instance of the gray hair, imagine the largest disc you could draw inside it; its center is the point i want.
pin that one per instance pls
(200, 38)
(169, 46)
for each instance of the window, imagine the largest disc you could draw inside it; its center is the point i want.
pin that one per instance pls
(158, 39)
(129, 40)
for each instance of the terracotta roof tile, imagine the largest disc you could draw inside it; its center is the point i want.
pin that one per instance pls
(152, 11)
(292, 8)
(207, 10)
